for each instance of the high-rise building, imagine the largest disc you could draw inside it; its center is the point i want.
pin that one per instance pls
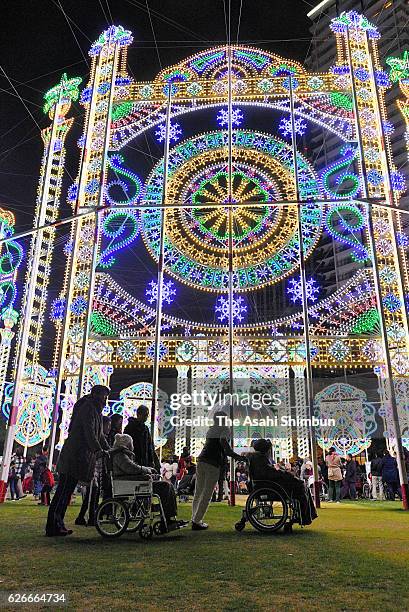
(391, 17)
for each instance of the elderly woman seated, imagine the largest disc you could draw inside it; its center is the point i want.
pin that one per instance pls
(261, 468)
(125, 468)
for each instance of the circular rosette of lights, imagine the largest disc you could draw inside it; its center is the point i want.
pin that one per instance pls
(265, 237)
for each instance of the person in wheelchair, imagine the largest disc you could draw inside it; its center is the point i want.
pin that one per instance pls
(262, 469)
(125, 468)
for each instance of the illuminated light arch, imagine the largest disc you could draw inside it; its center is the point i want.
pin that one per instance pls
(119, 109)
(266, 243)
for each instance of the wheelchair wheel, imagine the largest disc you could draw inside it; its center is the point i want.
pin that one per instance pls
(240, 525)
(145, 532)
(137, 513)
(159, 528)
(267, 510)
(112, 518)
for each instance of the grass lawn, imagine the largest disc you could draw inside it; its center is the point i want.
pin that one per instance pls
(354, 557)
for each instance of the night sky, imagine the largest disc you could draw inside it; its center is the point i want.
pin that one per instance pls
(39, 43)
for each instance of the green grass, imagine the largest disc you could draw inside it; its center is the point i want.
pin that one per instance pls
(355, 556)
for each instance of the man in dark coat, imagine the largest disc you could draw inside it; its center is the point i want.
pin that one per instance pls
(77, 460)
(390, 475)
(145, 454)
(143, 447)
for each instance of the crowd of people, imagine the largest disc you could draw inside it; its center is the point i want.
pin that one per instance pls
(95, 441)
(30, 475)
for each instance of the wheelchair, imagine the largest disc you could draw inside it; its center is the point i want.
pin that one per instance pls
(269, 508)
(133, 507)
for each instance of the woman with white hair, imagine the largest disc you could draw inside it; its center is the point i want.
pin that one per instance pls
(125, 468)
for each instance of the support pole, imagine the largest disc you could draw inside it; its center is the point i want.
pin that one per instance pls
(158, 322)
(306, 323)
(231, 267)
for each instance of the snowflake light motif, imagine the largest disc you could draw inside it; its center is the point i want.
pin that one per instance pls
(175, 132)
(75, 333)
(398, 181)
(285, 127)
(78, 306)
(372, 350)
(218, 350)
(396, 332)
(127, 350)
(72, 192)
(68, 247)
(339, 350)
(374, 177)
(168, 292)
(384, 246)
(400, 363)
(236, 117)
(294, 289)
(57, 309)
(403, 240)
(239, 309)
(391, 302)
(81, 280)
(150, 351)
(277, 351)
(92, 187)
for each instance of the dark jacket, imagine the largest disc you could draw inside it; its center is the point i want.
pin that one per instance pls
(350, 471)
(261, 468)
(216, 448)
(111, 436)
(390, 469)
(38, 467)
(143, 448)
(376, 466)
(85, 440)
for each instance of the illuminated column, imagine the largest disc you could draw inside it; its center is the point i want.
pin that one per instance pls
(87, 194)
(11, 255)
(182, 387)
(379, 182)
(197, 433)
(9, 317)
(280, 374)
(57, 104)
(301, 411)
(399, 73)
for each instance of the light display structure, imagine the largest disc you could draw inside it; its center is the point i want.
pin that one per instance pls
(228, 212)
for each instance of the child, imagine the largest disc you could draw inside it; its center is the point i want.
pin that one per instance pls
(48, 482)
